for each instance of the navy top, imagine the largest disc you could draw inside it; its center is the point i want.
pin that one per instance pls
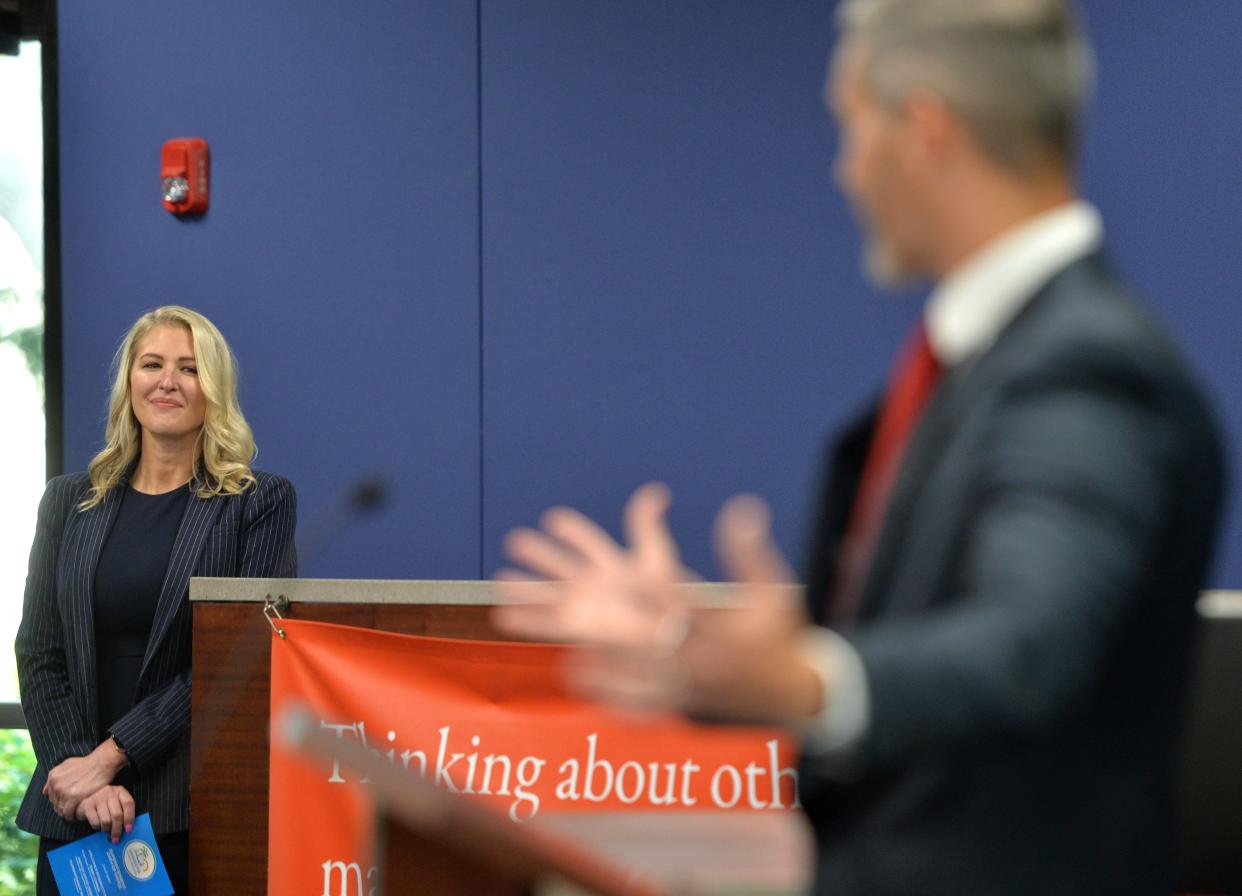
(128, 581)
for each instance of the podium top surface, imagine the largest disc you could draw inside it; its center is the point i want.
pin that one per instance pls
(1213, 604)
(1221, 604)
(387, 591)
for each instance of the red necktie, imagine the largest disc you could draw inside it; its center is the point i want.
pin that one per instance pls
(911, 382)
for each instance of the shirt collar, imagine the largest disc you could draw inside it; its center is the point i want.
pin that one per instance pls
(970, 307)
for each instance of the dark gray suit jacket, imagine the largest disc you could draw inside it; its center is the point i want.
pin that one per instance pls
(1027, 619)
(250, 534)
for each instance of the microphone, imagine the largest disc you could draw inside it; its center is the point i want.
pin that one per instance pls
(365, 495)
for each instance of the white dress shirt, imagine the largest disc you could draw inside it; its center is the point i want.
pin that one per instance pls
(964, 315)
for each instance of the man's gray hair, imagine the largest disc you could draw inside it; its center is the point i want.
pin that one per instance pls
(1018, 72)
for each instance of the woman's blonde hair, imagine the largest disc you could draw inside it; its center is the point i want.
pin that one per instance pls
(225, 445)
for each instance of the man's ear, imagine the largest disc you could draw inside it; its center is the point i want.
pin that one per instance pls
(936, 133)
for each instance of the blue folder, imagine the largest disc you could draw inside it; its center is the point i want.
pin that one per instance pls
(95, 866)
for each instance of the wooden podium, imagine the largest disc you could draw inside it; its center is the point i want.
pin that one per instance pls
(230, 748)
(231, 696)
(1210, 784)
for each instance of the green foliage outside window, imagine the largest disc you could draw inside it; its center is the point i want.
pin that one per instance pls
(28, 340)
(19, 851)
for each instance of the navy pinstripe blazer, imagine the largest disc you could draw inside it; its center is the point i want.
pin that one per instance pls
(250, 534)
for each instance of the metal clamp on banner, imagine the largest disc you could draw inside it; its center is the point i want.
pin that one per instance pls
(272, 612)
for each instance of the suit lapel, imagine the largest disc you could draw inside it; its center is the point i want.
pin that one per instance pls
(196, 523)
(961, 390)
(84, 537)
(956, 393)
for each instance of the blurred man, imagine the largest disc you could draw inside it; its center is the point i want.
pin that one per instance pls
(988, 669)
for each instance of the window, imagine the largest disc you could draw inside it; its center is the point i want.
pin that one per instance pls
(22, 450)
(24, 380)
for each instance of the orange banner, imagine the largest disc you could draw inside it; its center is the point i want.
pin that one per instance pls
(493, 722)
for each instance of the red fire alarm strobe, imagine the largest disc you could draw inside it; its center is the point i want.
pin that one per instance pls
(185, 172)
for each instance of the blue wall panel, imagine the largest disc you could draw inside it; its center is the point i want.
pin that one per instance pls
(667, 283)
(340, 255)
(671, 283)
(670, 280)
(1164, 152)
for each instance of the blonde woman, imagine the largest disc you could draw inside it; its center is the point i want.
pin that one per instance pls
(103, 649)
